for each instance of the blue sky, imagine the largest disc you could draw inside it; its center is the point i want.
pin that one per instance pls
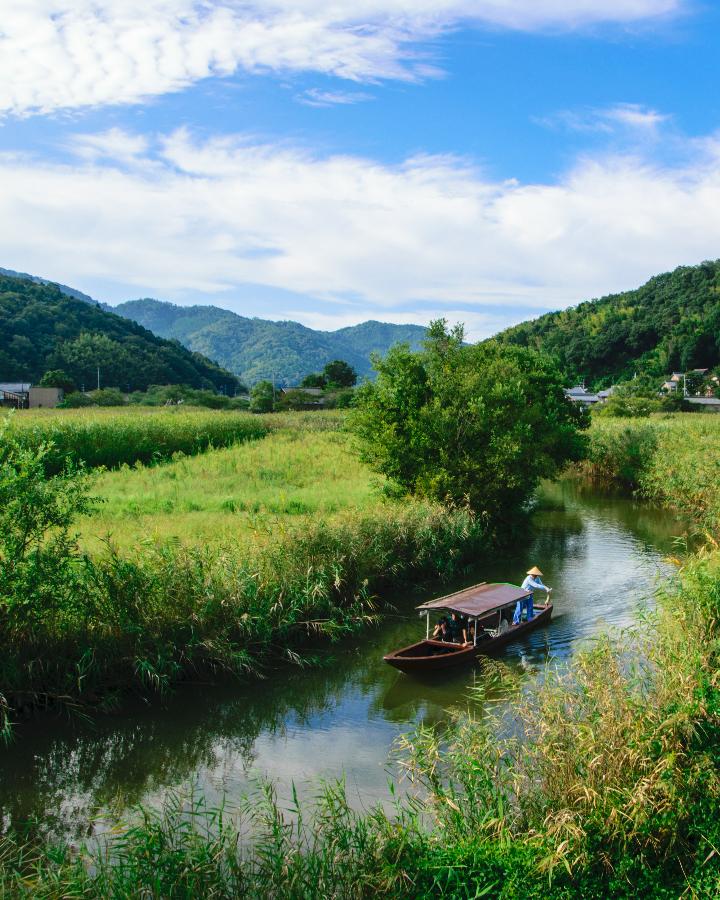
(485, 161)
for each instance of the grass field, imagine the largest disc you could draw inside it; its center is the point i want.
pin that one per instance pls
(251, 492)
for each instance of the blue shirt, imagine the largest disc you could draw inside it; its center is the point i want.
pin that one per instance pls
(532, 583)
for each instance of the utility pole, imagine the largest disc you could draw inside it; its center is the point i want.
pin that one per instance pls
(98, 387)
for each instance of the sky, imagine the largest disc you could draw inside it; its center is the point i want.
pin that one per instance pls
(331, 162)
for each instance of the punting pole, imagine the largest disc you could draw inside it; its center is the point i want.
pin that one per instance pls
(427, 628)
(475, 633)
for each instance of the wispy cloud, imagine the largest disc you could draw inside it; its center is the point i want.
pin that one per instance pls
(65, 54)
(208, 217)
(608, 120)
(318, 97)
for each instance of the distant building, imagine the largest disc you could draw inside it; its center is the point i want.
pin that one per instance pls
(578, 394)
(48, 397)
(14, 394)
(711, 404)
(22, 395)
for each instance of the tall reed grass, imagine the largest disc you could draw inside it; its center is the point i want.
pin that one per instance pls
(672, 459)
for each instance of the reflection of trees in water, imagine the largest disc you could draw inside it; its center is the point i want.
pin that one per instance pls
(58, 779)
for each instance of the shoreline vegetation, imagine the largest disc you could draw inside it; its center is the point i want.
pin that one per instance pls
(608, 785)
(175, 577)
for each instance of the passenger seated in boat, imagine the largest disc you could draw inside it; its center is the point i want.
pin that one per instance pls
(441, 632)
(458, 630)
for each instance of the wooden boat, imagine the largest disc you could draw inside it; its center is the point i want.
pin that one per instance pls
(490, 607)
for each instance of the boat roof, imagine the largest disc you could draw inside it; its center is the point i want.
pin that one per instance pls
(478, 599)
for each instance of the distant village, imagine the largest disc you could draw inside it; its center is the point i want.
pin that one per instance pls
(697, 387)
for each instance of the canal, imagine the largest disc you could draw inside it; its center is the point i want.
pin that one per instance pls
(603, 554)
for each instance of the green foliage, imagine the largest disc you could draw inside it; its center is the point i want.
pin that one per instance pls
(339, 374)
(297, 399)
(39, 581)
(173, 394)
(479, 424)
(671, 459)
(258, 349)
(262, 397)
(313, 380)
(671, 323)
(41, 329)
(58, 378)
(129, 436)
(621, 406)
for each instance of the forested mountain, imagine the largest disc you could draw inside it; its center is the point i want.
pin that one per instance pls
(671, 323)
(257, 348)
(69, 291)
(42, 328)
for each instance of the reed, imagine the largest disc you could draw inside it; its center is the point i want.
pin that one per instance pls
(112, 438)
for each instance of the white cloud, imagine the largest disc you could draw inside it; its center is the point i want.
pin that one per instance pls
(64, 54)
(431, 235)
(318, 97)
(629, 117)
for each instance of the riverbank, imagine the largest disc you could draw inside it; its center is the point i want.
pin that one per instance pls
(608, 787)
(205, 566)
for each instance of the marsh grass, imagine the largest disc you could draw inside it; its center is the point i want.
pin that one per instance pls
(111, 438)
(250, 493)
(671, 459)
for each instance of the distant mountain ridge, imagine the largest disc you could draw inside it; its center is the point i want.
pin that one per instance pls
(43, 327)
(256, 349)
(670, 323)
(63, 288)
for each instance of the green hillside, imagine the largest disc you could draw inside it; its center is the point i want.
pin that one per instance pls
(43, 328)
(671, 323)
(257, 348)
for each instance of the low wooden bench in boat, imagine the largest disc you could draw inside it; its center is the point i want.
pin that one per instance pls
(490, 607)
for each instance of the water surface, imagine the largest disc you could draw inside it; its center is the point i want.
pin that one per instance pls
(602, 554)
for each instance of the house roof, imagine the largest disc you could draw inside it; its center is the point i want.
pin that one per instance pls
(479, 599)
(15, 387)
(576, 391)
(314, 392)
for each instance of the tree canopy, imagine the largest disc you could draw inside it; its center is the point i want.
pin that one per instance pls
(671, 323)
(479, 424)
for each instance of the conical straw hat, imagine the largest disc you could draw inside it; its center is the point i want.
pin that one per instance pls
(534, 571)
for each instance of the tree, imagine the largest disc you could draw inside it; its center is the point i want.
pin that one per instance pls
(59, 379)
(339, 374)
(262, 397)
(314, 380)
(475, 424)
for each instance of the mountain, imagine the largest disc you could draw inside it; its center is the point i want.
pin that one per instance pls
(42, 328)
(63, 288)
(257, 348)
(671, 323)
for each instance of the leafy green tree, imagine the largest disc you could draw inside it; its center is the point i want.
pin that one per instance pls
(58, 379)
(339, 374)
(314, 380)
(477, 424)
(262, 397)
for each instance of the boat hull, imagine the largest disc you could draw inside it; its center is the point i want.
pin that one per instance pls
(435, 656)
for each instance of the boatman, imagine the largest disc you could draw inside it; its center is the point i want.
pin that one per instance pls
(533, 582)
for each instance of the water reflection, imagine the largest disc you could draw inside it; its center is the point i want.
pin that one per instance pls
(601, 553)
